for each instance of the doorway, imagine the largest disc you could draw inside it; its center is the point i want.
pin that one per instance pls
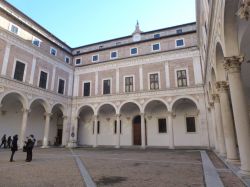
(137, 130)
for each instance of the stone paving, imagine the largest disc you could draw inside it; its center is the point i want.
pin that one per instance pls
(61, 167)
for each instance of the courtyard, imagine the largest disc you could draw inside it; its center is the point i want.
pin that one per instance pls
(115, 167)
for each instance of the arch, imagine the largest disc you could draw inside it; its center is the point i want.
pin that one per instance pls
(151, 100)
(219, 63)
(60, 106)
(43, 102)
(85, 105)
(106, 103)
(184, 97)
(19, 95)
(129, 101)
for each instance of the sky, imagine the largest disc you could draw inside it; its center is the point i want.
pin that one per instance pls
(82, 22)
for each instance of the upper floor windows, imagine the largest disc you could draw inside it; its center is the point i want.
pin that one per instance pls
(113, 54)
(179, 31)
(61, 86)
(107, 86)
(43, 80)
(181, 78)
(156, 47)
(78, 61)
(86, 89)
(95, 58)
(36, 42)
(157, 35)
(179, 43)
(129, 84)
(154, 81)
(67, 60)
(78, 52)
(134, 51)
(53, 51)
(14, 29)
(19, 71)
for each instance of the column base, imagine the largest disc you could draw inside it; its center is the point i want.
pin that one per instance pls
(94, 146)
(117, 146)
(243, 172)
(45, 146)
(72, 144)
(171, 147)
(143, 147)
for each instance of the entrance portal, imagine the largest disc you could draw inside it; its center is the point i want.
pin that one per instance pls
(137, 130)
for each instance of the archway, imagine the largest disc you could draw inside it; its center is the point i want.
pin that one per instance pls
(136, 130)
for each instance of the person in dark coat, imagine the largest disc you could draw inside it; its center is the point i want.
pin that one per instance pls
(9, 141)
(3, 141)
(29, 147)
(13, 147)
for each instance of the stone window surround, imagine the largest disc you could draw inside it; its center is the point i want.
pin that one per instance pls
(78, 59)
(52, 48)
(152, 50)
(136, 51)
(196, 126)
(159, 79)
(92, 58)
(10, 26)
(90, 86)
(14, 68)
(38, 80)
(58, 79)
(115, 51)
(124, 84)
(35, 38)
(187, 73)
(107, 78)
(181, 45)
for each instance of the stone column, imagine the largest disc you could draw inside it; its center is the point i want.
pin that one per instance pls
(95, 130)
(65, 121)
(227, 121)
(170, 129)
(46, 129)
(221, 140)
(117, 131)
(24, 126)
(240, 111)
(73, 132)
(214, 127)
(143, 142)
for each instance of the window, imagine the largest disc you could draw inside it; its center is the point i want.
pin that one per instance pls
(113, 54)
(118, 43)
(179, 31)
(14, 29)
(156, 47)
(61, 86)
(95, 58)
(66, 59)
(98, 127)
(129, 84)
(106, 86)
(181, 78)
(78, 61)
(120, 126)
(93, 127)
(157, 35)
(162, 125)
(53, 51)
(190, 122)
(36, 42)
(115, 127)
(78, 52)
(43, 80)
(86, 89)
(154, 81)
(19, 71)
(179, 43)
(133, 51)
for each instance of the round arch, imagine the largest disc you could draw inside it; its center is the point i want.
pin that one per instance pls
(60, 106)
(151, 100)
(83, 106)
(19, 95)
(184, 97)
(43, 102)
(130, 101)
(106, 103)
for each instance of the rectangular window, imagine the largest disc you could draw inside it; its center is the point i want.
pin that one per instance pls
(129, 87)
(179, 43)
(106, 86)
(120, 126)
(162, 125)
(181, 78)
(43, 80)
(156, 47)
(95, 58)
(133, 51)
(115, 127)
(53, 51)
(93, 129)
(190, 122)
(98, 127)
(61, 86)
(113, 54)
(67, 60)
(19, 71)
(78, 61)
(154, 81)
(86, 89)
(78, 52)
(36, 42)
(157, 35)
(179, 31)
(14, 29)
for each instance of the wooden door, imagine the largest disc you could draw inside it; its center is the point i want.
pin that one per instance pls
(137, 133)
(59, 136)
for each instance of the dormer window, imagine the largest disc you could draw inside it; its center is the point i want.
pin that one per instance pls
(157, 35)
(179, 31)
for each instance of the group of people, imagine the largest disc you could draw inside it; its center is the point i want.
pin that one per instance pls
(12, 143)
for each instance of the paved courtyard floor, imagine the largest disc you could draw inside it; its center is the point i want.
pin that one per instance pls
(62, 167)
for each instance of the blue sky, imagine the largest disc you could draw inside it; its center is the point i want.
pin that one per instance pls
(80, 22)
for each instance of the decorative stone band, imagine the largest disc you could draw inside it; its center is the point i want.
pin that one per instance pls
(233, 64)
(244, 10)
(222, 86)
(216, 98)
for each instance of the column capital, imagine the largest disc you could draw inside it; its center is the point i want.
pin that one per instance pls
(233, 64)
(244, 10)
(118, 115)
(47, 114)
(26, 110)
(216, 98)
(170, 114)
(222, 86)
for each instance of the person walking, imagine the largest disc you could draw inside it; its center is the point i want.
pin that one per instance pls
(9, 141)
(29, 147)
(3, 141)
(13, 147)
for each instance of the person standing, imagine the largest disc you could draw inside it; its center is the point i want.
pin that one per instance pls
(9, 141)
(13, 147)
(29, 147)
(3, 141)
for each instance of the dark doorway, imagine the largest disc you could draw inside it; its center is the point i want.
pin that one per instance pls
(137, 130)
(59, 137)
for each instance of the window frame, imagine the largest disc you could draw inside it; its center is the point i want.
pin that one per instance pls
(181, 45)
(67, 57)
(116, 51)
(94, 56)
(80, 61)
(166, 125)
(14, 25)
(136, 51)
(179, 31)
(38, 80)
(14, 68)
(124, 83)
(152, 47)
(159, 80)
(64, 88)
(109, 78)
(176, 78)
(195, 124)
(52, 48)
(86, 81)
(35, 38)
(156, 34)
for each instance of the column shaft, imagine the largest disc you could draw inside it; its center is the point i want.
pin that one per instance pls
(24, 126)
(118, 131)
(171, 130)
(143, 142)
(95, 131)
(46, 130)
